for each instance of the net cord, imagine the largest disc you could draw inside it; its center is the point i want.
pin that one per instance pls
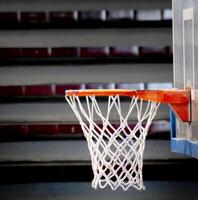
(95, 134)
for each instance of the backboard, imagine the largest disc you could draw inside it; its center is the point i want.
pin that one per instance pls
(185, 60)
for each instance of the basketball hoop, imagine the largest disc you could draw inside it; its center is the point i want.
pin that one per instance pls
(117, 151)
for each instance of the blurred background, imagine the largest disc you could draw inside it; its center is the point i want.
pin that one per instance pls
(49, 46)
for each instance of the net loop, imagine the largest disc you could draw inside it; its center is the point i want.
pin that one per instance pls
(116, 151)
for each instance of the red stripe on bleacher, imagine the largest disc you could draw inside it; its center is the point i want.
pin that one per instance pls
(158, 128)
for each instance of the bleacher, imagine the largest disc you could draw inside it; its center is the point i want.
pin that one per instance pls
(47, 47)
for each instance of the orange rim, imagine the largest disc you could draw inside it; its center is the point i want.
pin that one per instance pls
(161, 96)
(178, 100)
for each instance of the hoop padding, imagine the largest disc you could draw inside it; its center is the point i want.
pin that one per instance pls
(116, 151)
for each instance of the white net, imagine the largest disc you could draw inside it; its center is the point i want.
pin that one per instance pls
(116, 151)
